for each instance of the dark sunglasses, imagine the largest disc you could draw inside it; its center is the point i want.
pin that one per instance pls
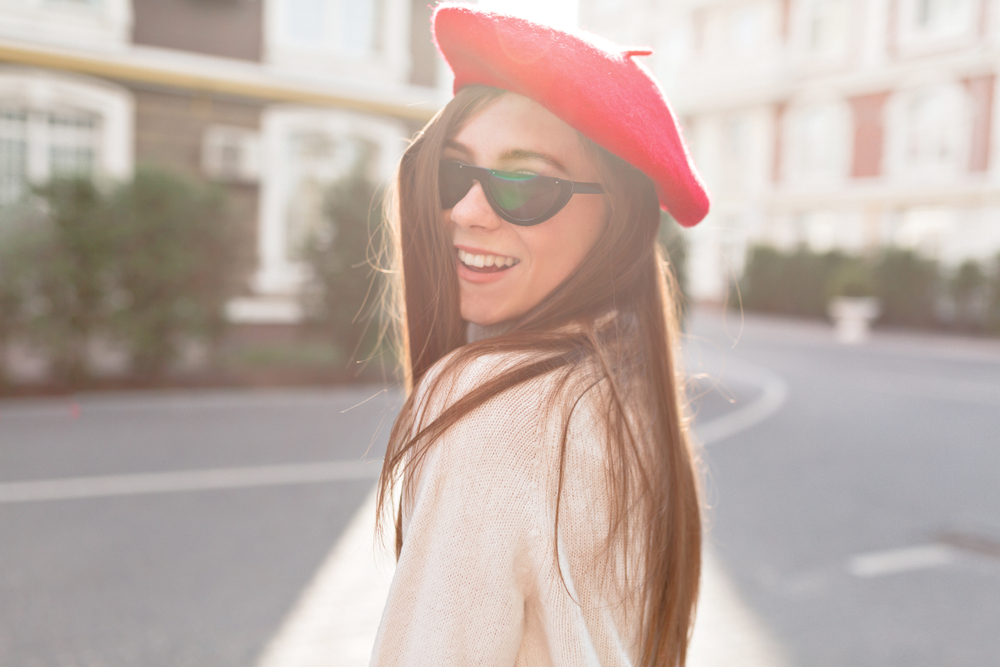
(520, 199)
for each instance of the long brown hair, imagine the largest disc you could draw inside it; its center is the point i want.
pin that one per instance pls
(623, 327)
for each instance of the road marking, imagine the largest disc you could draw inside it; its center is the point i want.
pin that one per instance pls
(893, 561)
(341, 399)
(935, 388)
(334, 621)
(773, 397)
(72, 488)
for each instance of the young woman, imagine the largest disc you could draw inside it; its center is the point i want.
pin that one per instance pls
(548, 512)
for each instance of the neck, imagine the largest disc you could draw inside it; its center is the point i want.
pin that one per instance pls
(477, 332)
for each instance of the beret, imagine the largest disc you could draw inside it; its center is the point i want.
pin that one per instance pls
(589, 83)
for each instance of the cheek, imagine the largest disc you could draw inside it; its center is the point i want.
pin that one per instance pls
(561, 248)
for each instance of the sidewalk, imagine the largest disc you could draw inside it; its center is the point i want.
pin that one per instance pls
(336, 617)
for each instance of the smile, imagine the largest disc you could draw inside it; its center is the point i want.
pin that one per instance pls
(485, 263)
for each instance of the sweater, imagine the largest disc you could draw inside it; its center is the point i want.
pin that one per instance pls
(478, 580)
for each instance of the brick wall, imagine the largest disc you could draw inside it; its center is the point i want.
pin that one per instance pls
(229, 28)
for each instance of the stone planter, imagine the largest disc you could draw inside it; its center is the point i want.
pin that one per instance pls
(852, 316)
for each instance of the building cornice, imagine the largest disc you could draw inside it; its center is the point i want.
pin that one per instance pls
(229, 77)
(959, 195)
(717, 92)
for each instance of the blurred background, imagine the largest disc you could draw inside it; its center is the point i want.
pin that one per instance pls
(188, 193)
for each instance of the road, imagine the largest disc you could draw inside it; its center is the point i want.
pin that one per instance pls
(854, 519)
(197, 519)
(861, 520)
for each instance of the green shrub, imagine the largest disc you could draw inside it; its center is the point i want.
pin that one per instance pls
(968, 288)
(346, 291)
(76, 255)
(907, 286)
(795, 283)
(853, 278)
(675, 248)
(992, 318)
(20, 243)
(176, 253)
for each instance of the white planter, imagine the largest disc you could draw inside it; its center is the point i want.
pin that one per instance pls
(853, 316)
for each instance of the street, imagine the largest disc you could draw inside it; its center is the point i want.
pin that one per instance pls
(854, 514)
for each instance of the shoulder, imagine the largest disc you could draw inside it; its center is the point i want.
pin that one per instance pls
(459, 376)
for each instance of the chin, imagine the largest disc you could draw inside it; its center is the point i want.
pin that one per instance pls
(483, 316)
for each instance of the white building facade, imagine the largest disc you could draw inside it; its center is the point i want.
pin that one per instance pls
(844, 124)
(270, 98)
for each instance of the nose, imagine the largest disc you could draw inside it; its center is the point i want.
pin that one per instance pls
(473, 210)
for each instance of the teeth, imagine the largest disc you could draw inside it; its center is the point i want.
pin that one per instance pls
(479, 261)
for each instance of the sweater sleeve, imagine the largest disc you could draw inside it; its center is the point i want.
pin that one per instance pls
(458, 594)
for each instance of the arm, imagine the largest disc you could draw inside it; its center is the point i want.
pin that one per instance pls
(464, 573)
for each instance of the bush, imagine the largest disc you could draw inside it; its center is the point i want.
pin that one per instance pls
(853, 278)
(992, 318)
(177, 251)
(346, 292)
(76, 255)
(675, 249)
(907, 286)
(802, 283)
(796, 283)
(968, 288)
(20, 242)
(146, 266)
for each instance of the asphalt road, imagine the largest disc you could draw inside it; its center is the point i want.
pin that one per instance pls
(860, 521)
(858, 515)
(197, 519)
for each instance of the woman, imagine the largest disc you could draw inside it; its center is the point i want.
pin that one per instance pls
(549, 512)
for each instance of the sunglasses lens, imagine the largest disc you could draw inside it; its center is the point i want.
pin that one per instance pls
(523, 197)
(453, 183)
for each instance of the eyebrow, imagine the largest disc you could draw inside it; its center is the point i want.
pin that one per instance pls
(514, 154)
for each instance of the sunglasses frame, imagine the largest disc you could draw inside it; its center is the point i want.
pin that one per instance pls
(486, 177)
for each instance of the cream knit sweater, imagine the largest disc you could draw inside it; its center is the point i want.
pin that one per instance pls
(477, 582)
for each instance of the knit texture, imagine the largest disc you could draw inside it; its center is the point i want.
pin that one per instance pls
(477, 581)
(590, 83)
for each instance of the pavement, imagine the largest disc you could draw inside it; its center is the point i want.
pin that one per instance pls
(853, 507)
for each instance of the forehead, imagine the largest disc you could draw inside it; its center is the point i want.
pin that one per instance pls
(513, 126)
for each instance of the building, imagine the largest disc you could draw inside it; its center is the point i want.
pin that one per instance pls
(272, 98)
(833, 123)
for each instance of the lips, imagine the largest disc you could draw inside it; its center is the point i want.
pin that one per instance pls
(485, 263)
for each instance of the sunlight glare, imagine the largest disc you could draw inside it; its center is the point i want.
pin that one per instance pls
(557, 13)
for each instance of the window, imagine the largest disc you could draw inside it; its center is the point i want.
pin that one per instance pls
(89, 23)
(929, 24)
(930, 131)
(363, 40)
(827, 26)
(942, 16)
(303, 151)
(54, 125)
(13, 154)
(818, 142)
(346, 27)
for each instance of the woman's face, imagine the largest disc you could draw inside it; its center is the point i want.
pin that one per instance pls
(520, 266)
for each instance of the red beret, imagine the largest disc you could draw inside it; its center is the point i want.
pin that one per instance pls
(587, 82)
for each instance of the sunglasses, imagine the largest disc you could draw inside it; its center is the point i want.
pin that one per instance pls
(520, 199)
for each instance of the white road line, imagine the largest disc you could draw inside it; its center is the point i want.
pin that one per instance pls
(71, 488)
(334, 622)
(893, 561)
(340, 399)
(773, 397)
(935, 388)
